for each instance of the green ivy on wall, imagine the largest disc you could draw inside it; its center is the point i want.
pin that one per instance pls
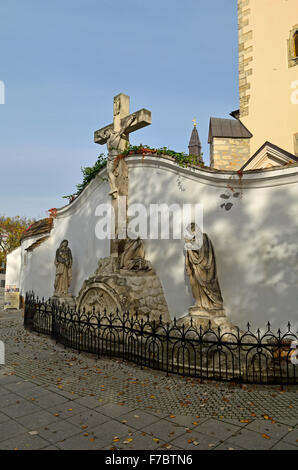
(90, 172)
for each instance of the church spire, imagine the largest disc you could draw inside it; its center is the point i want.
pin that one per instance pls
(194, 146)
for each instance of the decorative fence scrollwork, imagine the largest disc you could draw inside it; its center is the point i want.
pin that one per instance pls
(205, 353)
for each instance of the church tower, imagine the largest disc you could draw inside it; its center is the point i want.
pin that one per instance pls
(194, 146)
(268, 72)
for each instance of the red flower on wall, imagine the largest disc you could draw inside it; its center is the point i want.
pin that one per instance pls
(53, 212)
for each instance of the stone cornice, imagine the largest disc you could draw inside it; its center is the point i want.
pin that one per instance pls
(219, 178)
(251, 179)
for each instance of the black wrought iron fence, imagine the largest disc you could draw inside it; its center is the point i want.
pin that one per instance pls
(206, 353)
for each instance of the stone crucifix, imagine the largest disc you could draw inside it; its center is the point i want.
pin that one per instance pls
(116, 135)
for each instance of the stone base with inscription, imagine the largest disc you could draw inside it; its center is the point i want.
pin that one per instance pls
(113, 289)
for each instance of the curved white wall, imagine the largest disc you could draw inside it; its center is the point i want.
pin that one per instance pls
(255, 242)
(76, 223)
(13, 268)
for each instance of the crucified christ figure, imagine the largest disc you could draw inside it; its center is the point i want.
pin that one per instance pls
(114, 138)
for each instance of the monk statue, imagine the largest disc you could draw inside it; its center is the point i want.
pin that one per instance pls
(133, 256)
(201, 268)
(63, 263)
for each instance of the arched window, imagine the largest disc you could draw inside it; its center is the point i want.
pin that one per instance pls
(296, 44)
(293, 47)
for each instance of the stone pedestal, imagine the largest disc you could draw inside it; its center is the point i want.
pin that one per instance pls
(199, 312)
(64, 299)
(114, 289)
(200, 317)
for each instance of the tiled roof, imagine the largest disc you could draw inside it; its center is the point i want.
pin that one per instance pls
(227, 128)
(39, 227)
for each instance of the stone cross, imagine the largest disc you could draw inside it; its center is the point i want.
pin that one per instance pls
(116, 136)
(122, 119)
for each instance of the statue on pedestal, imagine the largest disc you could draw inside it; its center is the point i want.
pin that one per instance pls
(133, 256)
(63, 263)
(200, 266)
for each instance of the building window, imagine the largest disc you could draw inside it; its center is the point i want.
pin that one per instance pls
(296, 44)
(293, 47)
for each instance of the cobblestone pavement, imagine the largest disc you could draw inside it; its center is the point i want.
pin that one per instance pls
(55, 398)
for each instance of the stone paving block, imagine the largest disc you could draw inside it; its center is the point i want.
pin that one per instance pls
(20, 386)
(292, 437)
(48, 400)
(187, 421)
(139, 442)
(164, 430)
(236, 422)
(6, 379)
(218, 429)
(51, 447)
(3, 417)
(284, 446)
(81, 442)
(9, 429)
(195, 441)
(110, 430)
(251, 440)
(3, 392)
(37, 419)
(90, 418)
(35, 392)
(24, 442)
(274, 430)
(159, 413)
(88, 402)
(113, 410)
(58, 431)
(138, 419)
(8, 400)
(67, 409)
(290, 422)
(22, 408)
(227, 446)
(69, 395)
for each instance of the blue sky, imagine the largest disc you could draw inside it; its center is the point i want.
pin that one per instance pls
(63, 61)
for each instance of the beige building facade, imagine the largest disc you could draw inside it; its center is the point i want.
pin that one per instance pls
(268, 89)
(268, 72)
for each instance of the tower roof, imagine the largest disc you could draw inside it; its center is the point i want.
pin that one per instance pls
(194, 138)
(194, 146)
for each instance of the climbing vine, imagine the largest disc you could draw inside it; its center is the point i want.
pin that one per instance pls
(90, 172)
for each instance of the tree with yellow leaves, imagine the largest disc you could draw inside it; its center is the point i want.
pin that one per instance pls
(11, 230)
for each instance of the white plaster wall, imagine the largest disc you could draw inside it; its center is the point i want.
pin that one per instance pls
(13, 268)
(255, 242)
(76, 223)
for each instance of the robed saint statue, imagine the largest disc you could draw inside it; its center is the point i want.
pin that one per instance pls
(63, 263)
(200, 266)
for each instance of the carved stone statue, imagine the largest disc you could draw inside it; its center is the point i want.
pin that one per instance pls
(114, 138)
(63, 263)
(201, 268)
(133, 256)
